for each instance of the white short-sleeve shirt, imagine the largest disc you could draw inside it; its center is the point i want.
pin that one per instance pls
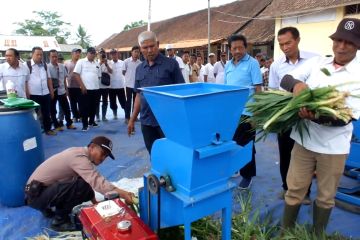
(19, 76)
(209, 71)
(117, 78)
(37, 83)
(89, 72)
(219, 68)
(130, 68)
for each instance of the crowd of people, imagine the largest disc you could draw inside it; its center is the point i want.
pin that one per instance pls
(84, 82)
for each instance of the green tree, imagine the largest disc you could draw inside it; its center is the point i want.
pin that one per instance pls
(46, 24)
(134, 25)
(84, 39)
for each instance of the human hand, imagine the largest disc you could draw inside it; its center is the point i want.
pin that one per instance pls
(131, 127)
(299, 87)
(305, 113)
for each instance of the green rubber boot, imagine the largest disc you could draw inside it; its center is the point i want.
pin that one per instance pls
(320, 219)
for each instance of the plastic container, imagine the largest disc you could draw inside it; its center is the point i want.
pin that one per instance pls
(21, 152)
(10, 89)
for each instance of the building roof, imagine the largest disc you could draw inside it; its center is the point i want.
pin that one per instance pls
(291, 7)
(69, 47)
(26, 43)
(191, 30)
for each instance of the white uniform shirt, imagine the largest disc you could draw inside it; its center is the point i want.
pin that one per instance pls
(19, 76)
(325, 139)
(186, 71)
(219, 68)
(129, 67)
(117, 78)
(180, 61)
(103, 68)
(89, 73)
(282, 66)
(38, 79)
(201, 75)
(209, 71)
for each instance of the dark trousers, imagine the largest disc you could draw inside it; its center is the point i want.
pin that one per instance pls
(120, 94)
(130, 100)
(150, 134)
(44, 102)
(64, 105)
(285, 144)
(63, 196)
(74, 97)
(104, 93)
(243, 135)
(88, 104)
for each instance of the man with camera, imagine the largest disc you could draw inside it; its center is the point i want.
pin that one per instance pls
(104, 85)
(58, 74)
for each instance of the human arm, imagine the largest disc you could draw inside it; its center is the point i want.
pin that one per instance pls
(136, 111)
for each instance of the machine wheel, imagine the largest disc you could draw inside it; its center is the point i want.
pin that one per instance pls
(347, 206)
(153, 184)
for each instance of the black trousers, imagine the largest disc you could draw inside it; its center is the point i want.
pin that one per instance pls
(74, 97)
(130, 100)
(104, 94)
(150, 134)
(285, 144)
(120, 94)
(62, 196)
(88, 104)
(64, 105)
(44, 102)
(243, 135)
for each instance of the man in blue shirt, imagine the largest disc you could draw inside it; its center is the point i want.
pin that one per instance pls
(243, 70)
(156, 70)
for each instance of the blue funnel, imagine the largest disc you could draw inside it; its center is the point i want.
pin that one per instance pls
(198, 114)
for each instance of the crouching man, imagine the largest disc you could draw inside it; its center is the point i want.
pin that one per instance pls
(69, 178)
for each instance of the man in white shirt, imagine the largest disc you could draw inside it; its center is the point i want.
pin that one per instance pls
(129, 70)
(219, 68)
(289, 39)
(16, 72)
(186, 71)
(209, 69)
(326, 147)
(104, 90)
(40, 87)
(87, 72)
(116, 83)
(171, 54)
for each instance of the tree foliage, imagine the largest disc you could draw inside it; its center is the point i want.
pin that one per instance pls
(84, 39)
(134, 25)
(47, 23)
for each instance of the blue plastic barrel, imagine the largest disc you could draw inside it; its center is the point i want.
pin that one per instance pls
(21, 151)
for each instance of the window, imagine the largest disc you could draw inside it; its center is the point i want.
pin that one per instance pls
(352, 9)
(321, 16)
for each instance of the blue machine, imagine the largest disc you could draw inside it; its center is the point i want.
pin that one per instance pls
(348, 195)
(191, 168)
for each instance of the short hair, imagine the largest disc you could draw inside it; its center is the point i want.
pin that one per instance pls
(193, 55)
(136, 47)
(53, 51)
(186, 52)
(237, 37)
(16, 52)
(293, 30)
(146, 35)
(36, 48)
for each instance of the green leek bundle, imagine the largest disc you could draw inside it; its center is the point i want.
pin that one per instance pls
(277, 111)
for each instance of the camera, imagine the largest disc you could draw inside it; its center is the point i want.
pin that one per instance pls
(103, 55)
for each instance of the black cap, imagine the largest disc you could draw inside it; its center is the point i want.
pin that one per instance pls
(105, 144)
(76, 50)
(349, 30)
(91, 50)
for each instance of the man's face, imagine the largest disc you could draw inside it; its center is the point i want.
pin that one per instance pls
(238, 49)
(115, 56)
(135, 54)
(192, 60)
(185, 57)
(288, 44)
(91, 56)
(76, 55)
(37, 56)
(150, 49)
(223, 58)
(53, 58)
(10, 58)
(199, 61)
(97, 154)
(344, 51)
(212, 59)
(170, 52)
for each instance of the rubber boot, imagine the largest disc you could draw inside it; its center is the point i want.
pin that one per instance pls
(290, 216)
(320, 219)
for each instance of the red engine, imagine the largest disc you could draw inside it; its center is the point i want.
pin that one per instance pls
(113, 220)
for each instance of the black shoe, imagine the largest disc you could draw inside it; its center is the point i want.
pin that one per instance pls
(84, 129)
(95, 124)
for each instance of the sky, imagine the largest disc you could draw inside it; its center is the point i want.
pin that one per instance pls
(99, 18)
